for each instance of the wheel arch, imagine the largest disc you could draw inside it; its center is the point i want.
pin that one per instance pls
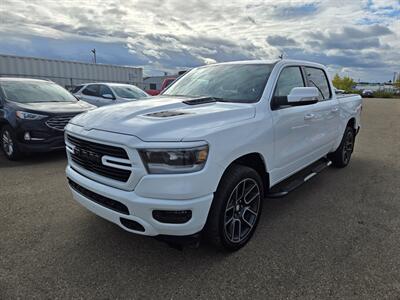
(352, 123)
(255, 161)
(4, 122)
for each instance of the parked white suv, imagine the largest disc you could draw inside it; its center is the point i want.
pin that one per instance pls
(201, 157)
(101, 94)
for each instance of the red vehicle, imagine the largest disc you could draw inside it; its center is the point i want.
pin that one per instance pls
(164, 85)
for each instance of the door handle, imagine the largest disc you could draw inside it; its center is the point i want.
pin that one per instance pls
(335, 109)
(309, 116)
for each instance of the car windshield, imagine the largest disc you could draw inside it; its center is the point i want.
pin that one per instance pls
(228, 82)
(129, 92)
(33, 92)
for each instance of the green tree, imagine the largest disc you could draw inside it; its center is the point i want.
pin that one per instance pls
(397, 83)
(346, 83)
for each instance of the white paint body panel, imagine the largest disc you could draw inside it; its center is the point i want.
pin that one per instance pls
(287, 139)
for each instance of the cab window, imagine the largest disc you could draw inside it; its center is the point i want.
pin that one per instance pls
(317, 78)
(289, 78)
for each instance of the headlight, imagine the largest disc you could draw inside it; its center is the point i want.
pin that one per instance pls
(174, 161)
(29, 116)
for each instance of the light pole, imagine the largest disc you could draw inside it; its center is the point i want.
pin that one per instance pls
(94, 54)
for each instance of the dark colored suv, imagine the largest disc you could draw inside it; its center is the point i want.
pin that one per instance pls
(33, 114)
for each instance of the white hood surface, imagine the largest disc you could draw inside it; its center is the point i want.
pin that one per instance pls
(164, 118)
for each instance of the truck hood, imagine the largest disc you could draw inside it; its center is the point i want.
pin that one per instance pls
(55, 107)
(164, 118)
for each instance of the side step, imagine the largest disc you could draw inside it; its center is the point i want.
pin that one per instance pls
(293, 182)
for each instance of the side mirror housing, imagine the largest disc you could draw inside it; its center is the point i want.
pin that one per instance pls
(108, 96)
(303, 96)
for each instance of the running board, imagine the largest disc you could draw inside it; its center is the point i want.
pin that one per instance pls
(293, 182)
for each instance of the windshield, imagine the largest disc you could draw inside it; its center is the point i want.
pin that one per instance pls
(231, 82)
(129, 92)
(33, 92)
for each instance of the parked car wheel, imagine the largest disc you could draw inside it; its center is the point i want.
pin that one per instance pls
(9, 144)
(236, 208)
(341, 157)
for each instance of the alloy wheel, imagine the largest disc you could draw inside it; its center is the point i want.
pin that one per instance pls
(241, 212)
(8, 145)
(348, 147)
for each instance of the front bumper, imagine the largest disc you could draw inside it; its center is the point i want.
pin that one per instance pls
(141, 208)
(47, 145)
(44, 139)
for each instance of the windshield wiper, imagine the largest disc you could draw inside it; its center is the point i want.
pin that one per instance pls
(203, 100)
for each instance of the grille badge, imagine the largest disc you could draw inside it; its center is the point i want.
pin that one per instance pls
(88, 155)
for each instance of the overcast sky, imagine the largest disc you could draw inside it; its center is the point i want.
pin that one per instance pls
(356, 37)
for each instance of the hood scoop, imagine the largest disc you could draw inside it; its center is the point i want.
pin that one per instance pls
(167, 114)
(199, 101)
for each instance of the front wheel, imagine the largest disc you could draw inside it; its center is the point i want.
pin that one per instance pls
(236, 208)
(9, 143)
(341, 157)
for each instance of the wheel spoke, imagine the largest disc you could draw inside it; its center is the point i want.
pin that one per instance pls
(243, 190)
(233, 230)
(251, 211)
(249, 190)
(229, 221)
(239, 230)
(252, 199)
(246, 221)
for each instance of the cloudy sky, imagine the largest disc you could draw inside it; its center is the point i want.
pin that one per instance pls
(356, 37)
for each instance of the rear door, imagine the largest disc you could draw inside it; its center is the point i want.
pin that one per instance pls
(325, 113)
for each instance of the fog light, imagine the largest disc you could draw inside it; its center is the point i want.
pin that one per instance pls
(27, 136)
(172, 216)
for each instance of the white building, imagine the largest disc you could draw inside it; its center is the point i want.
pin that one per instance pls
(68, 73)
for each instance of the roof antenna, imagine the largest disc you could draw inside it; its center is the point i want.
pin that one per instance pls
(281, 56)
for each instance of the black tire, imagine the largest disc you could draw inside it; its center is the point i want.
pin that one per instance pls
(341, 157)
(9, 144)
(235, 179)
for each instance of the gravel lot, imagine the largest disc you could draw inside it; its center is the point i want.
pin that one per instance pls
(338, 236)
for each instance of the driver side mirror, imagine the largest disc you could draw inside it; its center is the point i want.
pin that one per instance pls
(298, 96)
(108, 96)
(303, 96)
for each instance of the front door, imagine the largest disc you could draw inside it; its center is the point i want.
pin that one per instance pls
(294, 128)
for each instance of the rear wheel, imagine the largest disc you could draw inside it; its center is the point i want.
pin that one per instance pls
(341, 157)
(236, 208)
(9, 143)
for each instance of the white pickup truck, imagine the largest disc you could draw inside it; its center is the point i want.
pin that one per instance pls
(201, 157)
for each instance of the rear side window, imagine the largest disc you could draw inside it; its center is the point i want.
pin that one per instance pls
(91, 90)
(289, 78)
(105, 90)
(317, 78)
(76, 89)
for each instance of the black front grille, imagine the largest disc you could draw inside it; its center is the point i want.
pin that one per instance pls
(88, 155)
(59, 122)
(99, 199)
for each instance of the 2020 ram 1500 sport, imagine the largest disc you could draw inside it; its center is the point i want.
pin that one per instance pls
(201, 157)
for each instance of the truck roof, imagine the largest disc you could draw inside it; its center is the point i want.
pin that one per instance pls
(270, 62)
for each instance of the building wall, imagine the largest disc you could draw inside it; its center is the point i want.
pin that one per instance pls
(68, 73)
